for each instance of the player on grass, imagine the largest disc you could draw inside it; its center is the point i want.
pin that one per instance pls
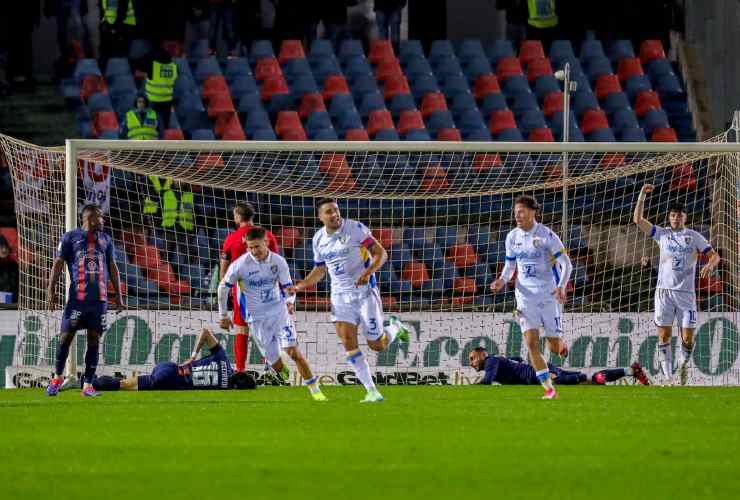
(90, 258)
(675, 295)
(262, 277)
(347, 249)
(234, 247)
(513, 371)
(543, 269)
(211, 372)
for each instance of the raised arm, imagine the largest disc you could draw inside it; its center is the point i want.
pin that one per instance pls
(205, 337)
(645, 225)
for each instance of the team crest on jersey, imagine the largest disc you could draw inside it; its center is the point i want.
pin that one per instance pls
(344, 239)
(274, 268)
(687, 239)
(537, 242)
(92, 266)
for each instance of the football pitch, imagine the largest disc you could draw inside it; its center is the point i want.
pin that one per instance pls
(620, 442)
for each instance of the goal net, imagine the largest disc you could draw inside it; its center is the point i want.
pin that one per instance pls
(442, 211)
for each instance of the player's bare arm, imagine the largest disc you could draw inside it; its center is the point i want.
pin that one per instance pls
(380, 256)
(115, 277)
(205, 337)
(645, 225)
(316, 275)
(709, 267)
(56, 272)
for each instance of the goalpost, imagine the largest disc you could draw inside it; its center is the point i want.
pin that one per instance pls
(442, 210)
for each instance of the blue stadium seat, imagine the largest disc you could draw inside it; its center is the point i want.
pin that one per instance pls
(623, 118)
(198, 49)
(86, 67)
(424, 85)
(324, 68)
(249, 102)
(417, 135)
(350, 48)
(410, 49)
(417, 68)
(544, 85)
(399, 255)
(387, 134)
(341, 104)
(516, 83)
(183, 84)
(357, 67)
(510, 135)
(401, 102)
(669, 86)
(636, 85)
(522, 101)
(615, 101)
(463, 102)
(455, 85)
(318, 120)
(256, 120)
(117, 66)
(324, 134)
(139, 49)
(477, 67)
(446, 236)
(124, 84)
(632, 134)
(441, 50)
(531, 119)
(481, 134)
(349, 120)
(440, 119)
(493, 102)
(321, 48)
(499, 49)
(601, 135)
(243, 85)
(304, 84)
(278, 103)
(659, 67)
(584, 100)
(555, 122)
(364, 85)
(183, 67)
(261, 49)
(591, 49)
(108, 135)
(371, 102)
(448, 68)
(207, 67)
(296, 68)
(189, 102)
(123, 102)
(202, 135)
(264, 134)
(470, 49)
(237, 67)
(655, 118)
(598, 66)
(560, 50)
(576, 68)
(621, 49)
(470, 119)
(99, 102)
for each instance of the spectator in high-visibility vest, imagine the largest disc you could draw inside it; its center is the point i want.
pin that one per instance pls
(117, 28)
(160, 85)
(141, 122)
(176, 213)
(542, 21)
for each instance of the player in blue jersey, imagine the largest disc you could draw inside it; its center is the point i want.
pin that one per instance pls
(210, 372)
(513, 371)
(675, 294)
(90, 258)
(543, 269)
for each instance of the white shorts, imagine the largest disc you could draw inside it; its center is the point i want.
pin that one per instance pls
(675, 304)
(274, 333)
(365, 310)
(533, 314)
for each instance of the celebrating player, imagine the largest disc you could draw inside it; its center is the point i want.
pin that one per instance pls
(90, 259)
(512, 371)
(262, 277)
(352, 255)
(540, 286)
(211, 372)
(234, 247)
(675, 295)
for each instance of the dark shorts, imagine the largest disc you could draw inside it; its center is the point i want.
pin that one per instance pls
(164, 377)
(84, 316)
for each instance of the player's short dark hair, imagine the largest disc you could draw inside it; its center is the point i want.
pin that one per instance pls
(528, 201)
(480, 349)
(677, 207)
(245, 210)
(241, 380)
(256, 233)
(323, 201)
(90, 207)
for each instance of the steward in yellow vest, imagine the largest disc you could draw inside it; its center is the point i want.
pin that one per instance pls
(141, 123)
(173, 210)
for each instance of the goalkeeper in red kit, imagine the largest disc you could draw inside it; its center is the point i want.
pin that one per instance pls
(234, 247)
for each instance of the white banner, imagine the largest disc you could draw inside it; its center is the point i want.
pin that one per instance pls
(436, 354)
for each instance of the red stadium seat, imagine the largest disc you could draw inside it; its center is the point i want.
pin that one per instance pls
(267, 67)
(449, 134)
(434, 179)
(229, 128)
(484, 85)
(664, 134)
(342, 185)
(508, 66)
(553, 103)
(335, 84)
(213, 85)
(612, 160)
(709, 285)
(543, 134)
(207, 161)
(416, 273)
(384, 236)
(650, 50)
(482, 162)
(380, 50)
(433, 101)
(173, 134)
(607, 84)
(389, 302)
(530, 50)
(298, 134)
(274, 85)
(335, 165)
(593, 119)
(220, 104)
(629, 67)
(553, 173)
(410, 120)
(683, 178)
(462, 255)
(538, 67)
(309, 103)
(647, 100)
(287, 120)
(388, 68)
(291, 49)
(92, 84)
(11, 236)
(104, 120)
(379, 119)
(356, 134)
(394, 86)
(288, 237)
(465, 285)
(501, 119)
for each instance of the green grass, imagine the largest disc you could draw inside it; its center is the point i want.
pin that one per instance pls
(422, 442)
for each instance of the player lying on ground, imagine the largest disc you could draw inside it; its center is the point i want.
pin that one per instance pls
(211, 372)
(90, 258)
(675, 295)
(543, 269)
(262, 277)
(347, 249)
(513, 371)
